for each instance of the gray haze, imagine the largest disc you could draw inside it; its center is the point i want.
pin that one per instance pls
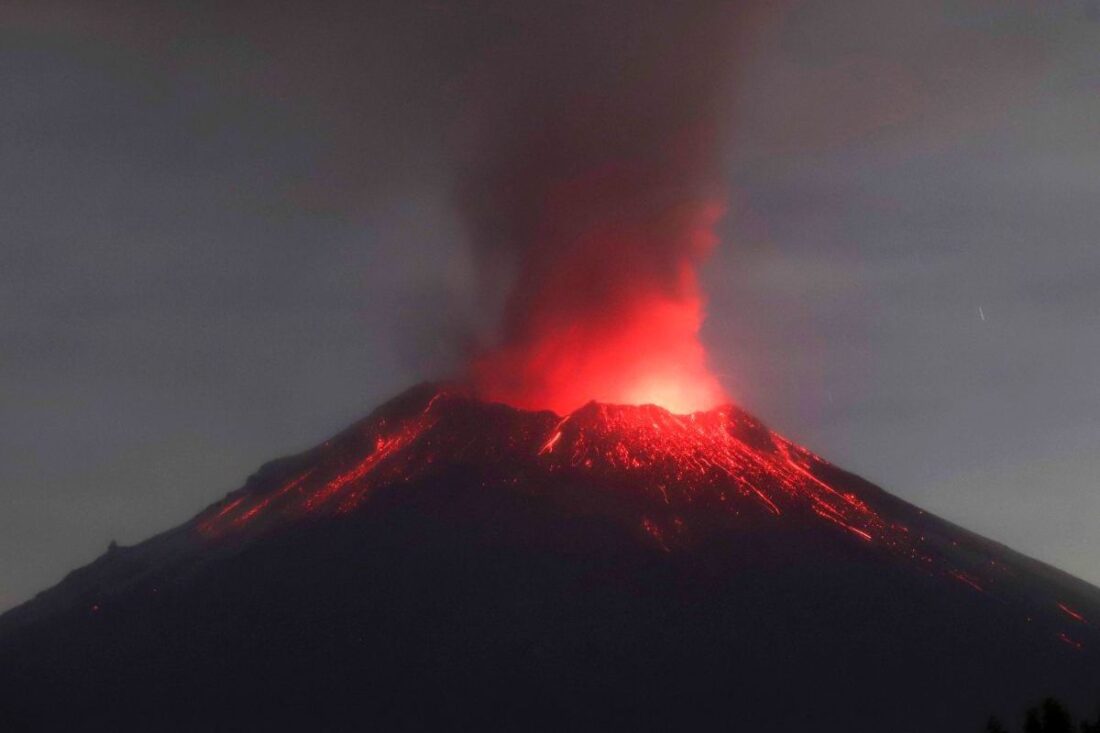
(225, 233)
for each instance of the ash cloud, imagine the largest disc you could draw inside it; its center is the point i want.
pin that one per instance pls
(591, 179)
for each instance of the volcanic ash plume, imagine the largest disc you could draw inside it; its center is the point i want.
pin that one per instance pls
(612, 313)
(595, 193)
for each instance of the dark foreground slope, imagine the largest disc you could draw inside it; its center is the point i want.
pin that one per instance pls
(449, 564)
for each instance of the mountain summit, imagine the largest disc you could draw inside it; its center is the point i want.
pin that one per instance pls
(452, 563)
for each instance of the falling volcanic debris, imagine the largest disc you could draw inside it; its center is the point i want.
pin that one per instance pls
(596, 185)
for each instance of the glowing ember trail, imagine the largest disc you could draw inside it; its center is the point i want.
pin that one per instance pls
(1071, 613)
(966, 578)
(1066, 639)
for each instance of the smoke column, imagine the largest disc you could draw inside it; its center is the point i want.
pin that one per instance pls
(592, 194)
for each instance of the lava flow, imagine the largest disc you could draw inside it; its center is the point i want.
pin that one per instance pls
(671, 479)
(721, 459)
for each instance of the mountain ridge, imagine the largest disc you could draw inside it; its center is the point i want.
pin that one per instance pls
(688, 541)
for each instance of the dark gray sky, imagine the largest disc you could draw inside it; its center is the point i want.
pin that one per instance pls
(227, 231)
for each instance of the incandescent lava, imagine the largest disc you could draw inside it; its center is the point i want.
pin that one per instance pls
(671, 478)
(722, 458)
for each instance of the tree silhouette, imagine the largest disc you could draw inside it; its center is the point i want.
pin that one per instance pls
(1050, 716)
(1087, 727)
(1033, 722)
(1056, 718)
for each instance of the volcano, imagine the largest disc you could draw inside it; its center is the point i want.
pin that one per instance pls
(451, 563)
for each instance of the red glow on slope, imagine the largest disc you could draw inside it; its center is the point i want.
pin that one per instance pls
(1067, 639)
(721, 458)
(671, 477)
(383, 447)
(966, 578)
(1071, 613)
(607, 310)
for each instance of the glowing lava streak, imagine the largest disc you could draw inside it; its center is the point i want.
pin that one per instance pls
(1071, 613)
(608, 311)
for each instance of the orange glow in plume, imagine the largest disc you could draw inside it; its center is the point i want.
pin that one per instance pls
(608, 311)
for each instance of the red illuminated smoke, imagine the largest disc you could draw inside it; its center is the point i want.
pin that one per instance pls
(590, 187)
(606, 305)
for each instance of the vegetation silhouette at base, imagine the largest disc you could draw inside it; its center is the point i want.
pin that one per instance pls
(1050, 716)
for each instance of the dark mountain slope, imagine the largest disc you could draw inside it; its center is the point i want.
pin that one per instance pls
(448, 563)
